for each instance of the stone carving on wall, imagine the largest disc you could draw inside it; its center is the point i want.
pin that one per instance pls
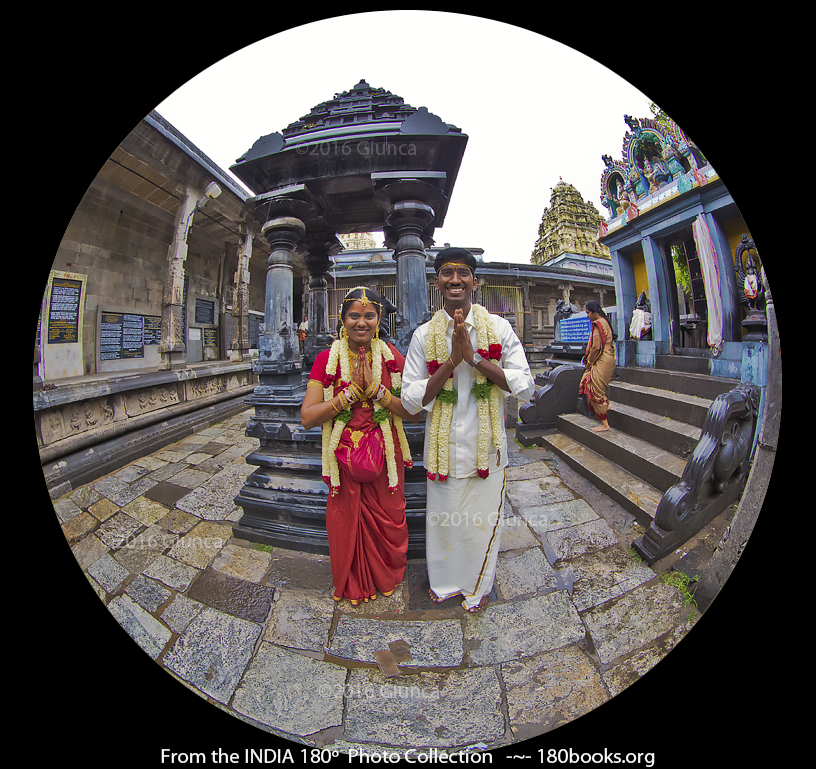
(150, 399)
(78, 417)
(72, 419)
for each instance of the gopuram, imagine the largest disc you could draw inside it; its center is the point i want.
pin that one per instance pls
(695, 398)
(361, 162)
(568, 233)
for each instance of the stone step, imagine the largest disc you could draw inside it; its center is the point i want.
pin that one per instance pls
(653, 465)
(690, 363)
(690, 409)
(701, 385)
(629, 491)
(669, 434)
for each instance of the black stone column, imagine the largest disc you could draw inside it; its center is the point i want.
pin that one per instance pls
(409, 226)
(284, 500)
(318, 249)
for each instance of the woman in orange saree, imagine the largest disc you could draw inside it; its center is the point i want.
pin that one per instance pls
(600, 362)
(352, 392)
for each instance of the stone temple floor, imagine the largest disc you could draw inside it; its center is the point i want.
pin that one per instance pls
(573, 620)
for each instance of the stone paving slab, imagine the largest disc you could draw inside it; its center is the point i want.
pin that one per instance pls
(300, 619)
(603, 576)
(525, 573)
(638, 618)
(110, 574)
(560, 515)
(78, 527)
(174, 574)
(306, 571)
(213, 652)
(148, 593)
(511, 631)
(574, 541)
(549, 689)
(66, 509)
(103, 509)
(180, 613)
(118, 529)
(138, 553)
(516, 534)
(201, 544)
(621, 676)
(213, 499)
(242, 562)
(151, 635)
(145, 510)
(432, 644)
(88, 551)
(234, 596)
(290, 692)
(424, 710)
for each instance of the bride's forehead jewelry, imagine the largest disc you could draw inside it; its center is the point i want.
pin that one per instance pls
(363, 300)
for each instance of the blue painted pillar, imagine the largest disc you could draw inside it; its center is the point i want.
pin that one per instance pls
(658, 295)
(626, 296)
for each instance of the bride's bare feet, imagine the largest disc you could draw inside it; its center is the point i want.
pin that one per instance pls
(603, 427)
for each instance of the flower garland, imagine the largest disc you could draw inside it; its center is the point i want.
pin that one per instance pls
(333, 429)
(487, 395)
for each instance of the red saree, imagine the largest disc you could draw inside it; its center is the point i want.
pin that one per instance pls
(365, 522)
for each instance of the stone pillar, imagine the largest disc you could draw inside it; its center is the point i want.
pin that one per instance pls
(278, 344)
(173, 347)
(626, 298)
(527, 307)
(409, 220)
(239, 347)
(659, 296)
(319, 335)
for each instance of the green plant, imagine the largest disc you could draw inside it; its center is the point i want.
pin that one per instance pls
(681, 582)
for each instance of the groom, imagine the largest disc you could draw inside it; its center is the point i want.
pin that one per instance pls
(460, 367)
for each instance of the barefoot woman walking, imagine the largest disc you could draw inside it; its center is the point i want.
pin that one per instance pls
(599, 360)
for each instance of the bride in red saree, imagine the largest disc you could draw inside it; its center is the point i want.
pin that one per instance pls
(355, 396)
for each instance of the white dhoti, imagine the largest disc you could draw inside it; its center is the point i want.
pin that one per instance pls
(462, 535)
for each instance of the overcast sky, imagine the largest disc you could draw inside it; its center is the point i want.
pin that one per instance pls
(534, 110)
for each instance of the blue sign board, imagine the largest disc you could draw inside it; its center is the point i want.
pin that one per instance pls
(575, 329)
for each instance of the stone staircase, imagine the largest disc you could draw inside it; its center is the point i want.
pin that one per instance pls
(656, 416)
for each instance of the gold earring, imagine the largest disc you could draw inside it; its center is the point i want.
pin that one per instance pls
(343, 333)
(377, 332)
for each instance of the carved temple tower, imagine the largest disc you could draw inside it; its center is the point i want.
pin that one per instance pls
(569, 228)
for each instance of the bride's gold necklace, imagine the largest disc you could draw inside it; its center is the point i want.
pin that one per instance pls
(353, 356)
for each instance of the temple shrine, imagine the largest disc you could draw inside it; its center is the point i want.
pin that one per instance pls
(694, 399)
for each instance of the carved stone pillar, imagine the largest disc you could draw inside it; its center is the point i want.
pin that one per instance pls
(318, 249)
(409, 204)
(409, 220)
(173, 347)
(278, 344)
(239, 348)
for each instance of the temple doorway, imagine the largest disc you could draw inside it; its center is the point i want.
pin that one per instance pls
(691, 313)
